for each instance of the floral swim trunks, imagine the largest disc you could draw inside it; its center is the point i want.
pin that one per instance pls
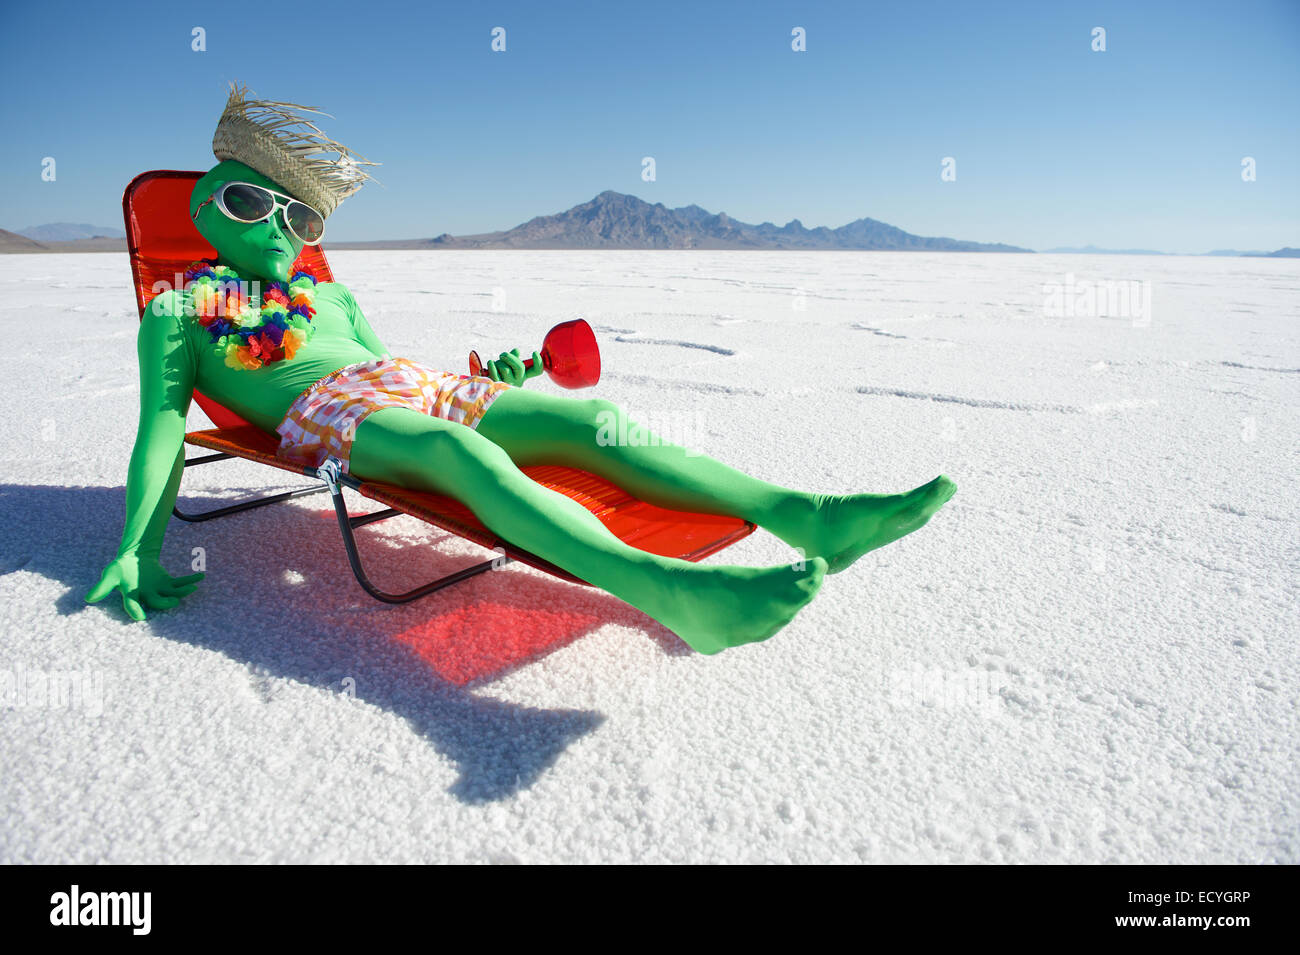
(323, 421)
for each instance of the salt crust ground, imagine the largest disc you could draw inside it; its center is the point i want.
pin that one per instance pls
(1089, 655)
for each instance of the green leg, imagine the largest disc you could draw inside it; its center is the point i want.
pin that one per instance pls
(710, 607)
(593, 434)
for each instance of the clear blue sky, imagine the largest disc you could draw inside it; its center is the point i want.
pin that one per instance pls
(1137, 147)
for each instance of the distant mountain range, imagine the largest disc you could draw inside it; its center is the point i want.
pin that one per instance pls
(615, 220)
(1287, 253)
(70, 231)
(13, 242)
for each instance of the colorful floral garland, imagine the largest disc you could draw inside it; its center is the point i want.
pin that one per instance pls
(252, 336)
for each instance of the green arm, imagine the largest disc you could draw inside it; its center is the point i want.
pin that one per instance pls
(166, 388)
(167, 372)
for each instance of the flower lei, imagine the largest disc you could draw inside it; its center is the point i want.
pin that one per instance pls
(252, 336)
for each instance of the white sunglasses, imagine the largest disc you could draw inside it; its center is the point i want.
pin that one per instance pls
(248, 202)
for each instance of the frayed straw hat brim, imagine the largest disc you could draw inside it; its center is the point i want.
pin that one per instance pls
(289, 149)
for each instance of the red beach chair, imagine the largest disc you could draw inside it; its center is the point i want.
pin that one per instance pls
(163, 241)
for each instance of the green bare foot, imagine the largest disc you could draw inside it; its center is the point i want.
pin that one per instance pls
(841, 528)
(713, 608)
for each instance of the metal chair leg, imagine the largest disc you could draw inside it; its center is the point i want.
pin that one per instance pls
(331, 474)
(241, 505)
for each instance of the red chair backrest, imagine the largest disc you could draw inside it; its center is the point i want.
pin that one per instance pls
(162, 241)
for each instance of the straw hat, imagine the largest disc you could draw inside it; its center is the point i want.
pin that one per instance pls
(289, 149)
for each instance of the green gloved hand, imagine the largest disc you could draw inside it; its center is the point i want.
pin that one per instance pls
(143, 582)
(510, 368)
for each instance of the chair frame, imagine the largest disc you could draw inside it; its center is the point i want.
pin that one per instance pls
(334, 480)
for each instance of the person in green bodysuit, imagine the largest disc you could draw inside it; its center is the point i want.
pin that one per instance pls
(711, 607)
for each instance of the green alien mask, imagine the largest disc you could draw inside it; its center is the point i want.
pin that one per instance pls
(256, 250)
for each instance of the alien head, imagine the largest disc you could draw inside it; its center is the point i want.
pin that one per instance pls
(261, 250)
